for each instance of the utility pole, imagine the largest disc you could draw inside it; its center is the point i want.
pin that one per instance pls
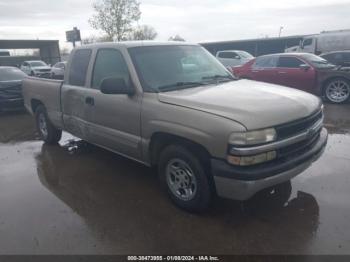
(280, 33)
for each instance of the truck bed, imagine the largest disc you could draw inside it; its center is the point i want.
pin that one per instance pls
(44, 91)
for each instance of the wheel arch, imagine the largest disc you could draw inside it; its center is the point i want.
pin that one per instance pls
(34, 103)
(160, 140)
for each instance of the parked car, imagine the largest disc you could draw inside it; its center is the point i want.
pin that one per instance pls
(57, 71)
(339, 58)
(11, 88)
(175, 107)
(231, 58)
(36, 68)
(303, 71)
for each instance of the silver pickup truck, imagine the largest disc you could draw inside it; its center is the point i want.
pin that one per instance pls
(174, 106)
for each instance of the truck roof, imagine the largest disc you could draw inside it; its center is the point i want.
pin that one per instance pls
(129, 44)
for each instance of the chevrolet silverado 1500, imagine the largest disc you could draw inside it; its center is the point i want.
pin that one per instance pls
(174, 106)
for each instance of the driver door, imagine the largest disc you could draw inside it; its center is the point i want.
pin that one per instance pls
(114, 119)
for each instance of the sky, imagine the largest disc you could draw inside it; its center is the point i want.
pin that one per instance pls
(194, 20)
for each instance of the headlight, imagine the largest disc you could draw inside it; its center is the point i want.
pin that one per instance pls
(253, 137)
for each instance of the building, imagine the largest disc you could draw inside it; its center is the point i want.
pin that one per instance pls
(49, 51)
(256, 47)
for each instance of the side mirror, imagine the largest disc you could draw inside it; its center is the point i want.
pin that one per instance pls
(305, 67)
(115, 86)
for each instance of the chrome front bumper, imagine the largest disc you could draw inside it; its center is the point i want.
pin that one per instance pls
(229, 184)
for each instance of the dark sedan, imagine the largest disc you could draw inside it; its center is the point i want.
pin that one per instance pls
(339, 58)
(11, 88)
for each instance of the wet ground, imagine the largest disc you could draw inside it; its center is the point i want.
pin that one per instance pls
(85, 200)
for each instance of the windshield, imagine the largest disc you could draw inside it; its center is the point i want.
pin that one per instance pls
(245, 55)
(167, 68)
(317, 61)
(11, 74)
(37, 64)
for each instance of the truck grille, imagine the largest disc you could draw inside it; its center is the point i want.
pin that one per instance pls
(298, 148)
(11, 92)
(44, 70)
(296, 127)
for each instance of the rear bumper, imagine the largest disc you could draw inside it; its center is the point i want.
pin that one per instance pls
(11, 104)
(242, 183)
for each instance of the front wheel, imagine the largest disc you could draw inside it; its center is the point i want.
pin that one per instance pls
(48, 133)
(337, 91)
(183, 176)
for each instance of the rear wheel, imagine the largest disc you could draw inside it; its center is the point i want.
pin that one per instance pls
(337, 90)
(48, 133)
(183, 176)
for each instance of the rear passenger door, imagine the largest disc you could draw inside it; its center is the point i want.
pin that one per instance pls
(73, 94)
(114, 120)
(290, 74)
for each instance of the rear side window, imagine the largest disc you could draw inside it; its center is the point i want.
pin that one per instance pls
(289, 62)
(79, 67)
(266, 62)
(109, 63)
(230, 55)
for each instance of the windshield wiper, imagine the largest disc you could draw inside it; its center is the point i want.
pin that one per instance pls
(179, 85)
(219, 78)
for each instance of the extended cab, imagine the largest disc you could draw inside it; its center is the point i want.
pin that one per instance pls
(174, 106)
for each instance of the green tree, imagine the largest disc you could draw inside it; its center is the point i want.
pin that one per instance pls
(115, 17)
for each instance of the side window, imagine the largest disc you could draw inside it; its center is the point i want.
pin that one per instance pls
(307, 42)
(347, 58)
(266, 62)
(230, 55)
(79, 67)
(109, 63)
(289, 62)
(329, 57)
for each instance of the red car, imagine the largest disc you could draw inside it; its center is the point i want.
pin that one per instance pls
(307, 72)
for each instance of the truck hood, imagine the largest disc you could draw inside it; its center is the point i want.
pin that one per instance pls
(254, 104)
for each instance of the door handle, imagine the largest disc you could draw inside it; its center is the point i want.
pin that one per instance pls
(282, 72)
(90, 101)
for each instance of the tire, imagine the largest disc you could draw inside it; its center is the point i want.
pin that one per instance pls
(53, 76)
(337, 90)
(31, 73)
(48, 133)
(184, 178)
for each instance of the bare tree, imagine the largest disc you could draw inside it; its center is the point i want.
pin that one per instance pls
(95, 39)
(177, 38)
(144, 32)
(115, 17)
